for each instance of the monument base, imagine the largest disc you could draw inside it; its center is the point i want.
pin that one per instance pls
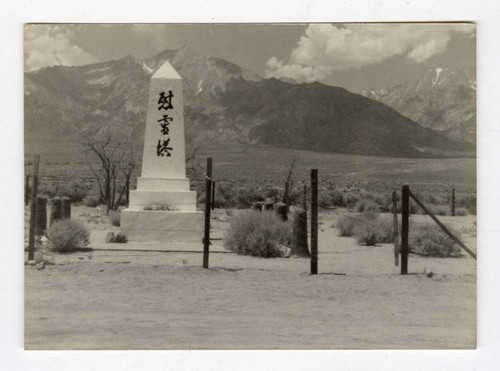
(163, 194)
(162, 210)
(162, 226)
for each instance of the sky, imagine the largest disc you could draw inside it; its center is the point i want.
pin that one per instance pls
(354, 56)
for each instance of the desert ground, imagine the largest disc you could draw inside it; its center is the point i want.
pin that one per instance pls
(104, 299)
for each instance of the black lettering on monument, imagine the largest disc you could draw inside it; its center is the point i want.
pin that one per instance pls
(165, 101)
(163, 149)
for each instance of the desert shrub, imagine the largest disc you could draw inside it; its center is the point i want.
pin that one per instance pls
(225, 196)
(258, 233)
(48, 190)
(469, 202)
(120, 238)
(76, 191)
(371, 228)
(368, 227)
(91, 201)
(164, 208)
(114, 218)
(324, 200)
(247, 196)
(297, 196)
(367, 205)
(228, 196)
(157, 208)
(274, 193)
(367, 234)
(345, 225)
(67, 235)
(413, 207)
(435, 199)
(430, 240)
(437, 210)
(351, 199)
(386, 207)
(385, 224)
(378, 198)
(461, 211)
(330, 198)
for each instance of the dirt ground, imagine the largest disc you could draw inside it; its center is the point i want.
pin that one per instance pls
(165, 300)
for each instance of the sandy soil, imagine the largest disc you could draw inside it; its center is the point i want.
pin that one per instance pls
(157, 300)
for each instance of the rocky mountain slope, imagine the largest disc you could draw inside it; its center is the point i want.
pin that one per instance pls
(223, 104)
(439, 99)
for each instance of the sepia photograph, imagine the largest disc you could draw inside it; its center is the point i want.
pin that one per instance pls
(250, 186)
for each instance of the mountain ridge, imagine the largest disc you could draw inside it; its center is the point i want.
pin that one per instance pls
(224, 103)
(439, 99)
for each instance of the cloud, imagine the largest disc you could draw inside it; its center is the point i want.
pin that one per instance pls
(49, 45)
(295, 71)
(326, 48)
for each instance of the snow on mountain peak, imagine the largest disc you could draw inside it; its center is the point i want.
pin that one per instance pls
(146, 68)
(436, 78)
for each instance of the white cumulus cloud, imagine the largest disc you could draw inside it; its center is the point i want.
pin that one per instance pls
(299, 72)
(49, 45)
(326, 48)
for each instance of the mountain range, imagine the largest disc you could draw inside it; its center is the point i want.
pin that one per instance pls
(439, 99)
(224, 103)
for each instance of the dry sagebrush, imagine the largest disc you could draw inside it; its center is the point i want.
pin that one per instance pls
(258, 234)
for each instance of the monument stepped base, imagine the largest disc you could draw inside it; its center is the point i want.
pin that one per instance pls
(162, 226)
(163, 194)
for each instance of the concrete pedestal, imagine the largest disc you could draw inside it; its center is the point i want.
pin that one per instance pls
(162, 211)
(162, 226)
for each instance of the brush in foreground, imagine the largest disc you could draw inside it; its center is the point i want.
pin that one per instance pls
(67, 235)
(258, 234)
(430, 240)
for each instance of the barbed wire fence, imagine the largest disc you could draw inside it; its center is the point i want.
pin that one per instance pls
(305, 196)
(309, 196)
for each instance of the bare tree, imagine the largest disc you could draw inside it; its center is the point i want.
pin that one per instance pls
(289, 183)
(112, 163)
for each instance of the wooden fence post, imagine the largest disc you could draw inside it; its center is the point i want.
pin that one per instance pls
(453, 202)
(395, 214)
(208, 204)
(304, 198)
(213, 196)
(405, 203)
(299, 234)
(26, 190)
(31, 243)
(314, 221)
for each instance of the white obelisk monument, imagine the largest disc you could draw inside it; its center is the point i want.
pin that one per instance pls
(163, 208)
